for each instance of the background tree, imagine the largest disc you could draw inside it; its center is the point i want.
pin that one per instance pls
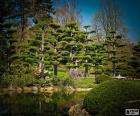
(21, 56)
(7, 30)
(124, 54)
(67, 12)
(108, 18)
(109, 24)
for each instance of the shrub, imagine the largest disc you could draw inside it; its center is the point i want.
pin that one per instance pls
(62, 82)
(15, 81)
(103, 77)
(44, 82)
(56, 81)
(68, 82)
(112, 97)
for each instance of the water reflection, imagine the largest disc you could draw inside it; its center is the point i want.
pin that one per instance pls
(44, 104)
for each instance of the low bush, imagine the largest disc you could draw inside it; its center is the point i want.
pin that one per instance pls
(103, 77)
(62, 82)
(56, 81)
(15, 81)
(25, 80)
(111, 98)
(44, 82)
(30, 80)
(68, 82)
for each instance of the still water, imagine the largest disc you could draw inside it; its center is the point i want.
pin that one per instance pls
(40, 104)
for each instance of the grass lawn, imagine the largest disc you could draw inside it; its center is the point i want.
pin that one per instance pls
(79, 82)
(84, 83)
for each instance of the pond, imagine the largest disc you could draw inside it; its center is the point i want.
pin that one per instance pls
(42, 104)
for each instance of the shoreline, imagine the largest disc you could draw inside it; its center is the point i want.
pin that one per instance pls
(49, 89)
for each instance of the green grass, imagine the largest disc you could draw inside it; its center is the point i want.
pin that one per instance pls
(63, 75)
(63, 79)
(84, 83)
(80, 82)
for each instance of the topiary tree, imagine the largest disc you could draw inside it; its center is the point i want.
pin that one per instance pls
(123, 56)
(69, 44)
(113, 45)
(135, 61)
(98, 56)
(54, 47)
(86, 56)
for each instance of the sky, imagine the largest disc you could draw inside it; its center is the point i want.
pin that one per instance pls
(130, 10)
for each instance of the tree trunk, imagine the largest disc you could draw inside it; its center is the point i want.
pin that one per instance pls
(55, 70)
(86, 71)
(95, 72)
(41, 63)
(114, 69)
(113, 62)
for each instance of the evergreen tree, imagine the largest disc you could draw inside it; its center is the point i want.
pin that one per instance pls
(124, 53)
(135, 61)
(55, 51)
(7, 47)
(70, 44)
(30, 50)
(7, 30)
(86, 43)
(97, 54)
(113, 44)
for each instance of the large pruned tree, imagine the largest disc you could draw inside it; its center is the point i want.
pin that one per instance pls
(134, 62)
(110, 26)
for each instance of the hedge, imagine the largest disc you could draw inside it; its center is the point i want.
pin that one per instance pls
(111, 98)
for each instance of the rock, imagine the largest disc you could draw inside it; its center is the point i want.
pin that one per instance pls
(41, 89)
(69, 90)
(34, 88)
(56, 89)
(77, 110)
(83, 89)
(19, 90)
(48, 89)
(51, 89)
(27, 89)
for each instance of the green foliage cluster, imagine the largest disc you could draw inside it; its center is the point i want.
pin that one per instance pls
(125, 70)
(30, 80)
(63, 82)
(112, 97)
(103, 78)
(15, 81)
(134, 62)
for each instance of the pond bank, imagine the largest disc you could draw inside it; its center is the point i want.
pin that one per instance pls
(48, 89)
